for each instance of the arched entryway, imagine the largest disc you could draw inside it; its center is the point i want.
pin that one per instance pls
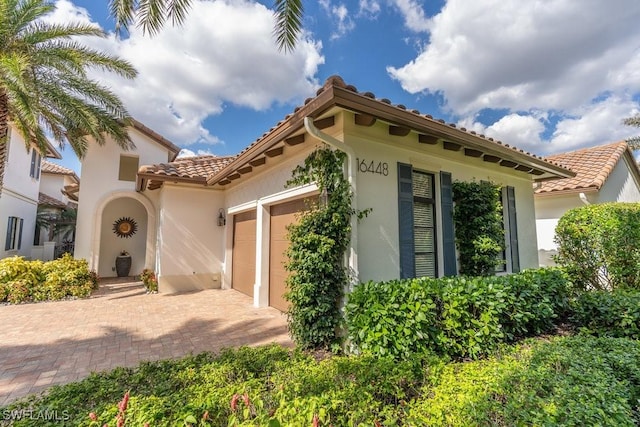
(132, 237)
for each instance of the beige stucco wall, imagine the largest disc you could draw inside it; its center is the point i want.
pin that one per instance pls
(376, 248)
(100, 185)
(378, 245)
(190, 243)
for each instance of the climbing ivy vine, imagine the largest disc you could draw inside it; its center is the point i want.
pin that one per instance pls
(316, 253)
(477, 216)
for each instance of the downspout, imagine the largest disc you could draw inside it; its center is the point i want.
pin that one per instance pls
(583, 199)
(341, 146)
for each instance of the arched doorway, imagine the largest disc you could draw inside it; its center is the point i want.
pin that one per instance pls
(131, 236)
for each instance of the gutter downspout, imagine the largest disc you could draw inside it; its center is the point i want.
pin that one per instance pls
(341, 146)
(583, 199)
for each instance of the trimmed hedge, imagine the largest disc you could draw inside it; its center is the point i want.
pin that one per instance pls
(456, 316)
(599, 245)
(31, 281)
(609, 314)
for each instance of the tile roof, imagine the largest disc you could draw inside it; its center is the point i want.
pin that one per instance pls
(592, 166)
(46, 200)
(140, 127)
(335, 92)
(187, 169)
(48, 167)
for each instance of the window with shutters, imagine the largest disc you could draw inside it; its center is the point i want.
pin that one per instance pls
(34, 171)
(14, 234)
(424, 224)
(418, 234)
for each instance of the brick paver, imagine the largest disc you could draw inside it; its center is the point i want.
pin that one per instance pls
(120, 325)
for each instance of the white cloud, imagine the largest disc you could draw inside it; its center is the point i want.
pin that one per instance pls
(223, 54)
(185, 152)
(558, 56)
(369, 8)
(413, 15)
(339, 14)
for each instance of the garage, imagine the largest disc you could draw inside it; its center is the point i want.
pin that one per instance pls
(281, 216)
(244, 252)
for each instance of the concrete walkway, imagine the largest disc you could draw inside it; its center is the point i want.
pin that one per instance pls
(120, 325)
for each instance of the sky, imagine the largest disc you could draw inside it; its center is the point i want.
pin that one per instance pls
(547, 76)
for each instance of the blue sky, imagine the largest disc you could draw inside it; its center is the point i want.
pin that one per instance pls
(544, 75)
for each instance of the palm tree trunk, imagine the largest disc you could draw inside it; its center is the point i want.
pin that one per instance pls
(4, 132)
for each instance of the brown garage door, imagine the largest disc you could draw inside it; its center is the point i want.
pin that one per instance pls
(244, 252)
(281, 216)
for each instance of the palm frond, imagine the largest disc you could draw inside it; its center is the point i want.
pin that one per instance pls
(177, 11)
(123, 11)
(152, 15)
(288, 23)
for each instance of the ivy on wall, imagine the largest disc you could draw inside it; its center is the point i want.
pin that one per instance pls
(477, 217)
(316, 253)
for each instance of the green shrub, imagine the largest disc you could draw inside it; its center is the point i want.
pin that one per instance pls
(149, 280)
(611, 314)
(600, 246)
(477, 216)
(456, 317)
(24, 281)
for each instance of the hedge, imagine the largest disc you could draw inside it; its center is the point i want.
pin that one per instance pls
(599, 245)
(609, 314)
(457, 316)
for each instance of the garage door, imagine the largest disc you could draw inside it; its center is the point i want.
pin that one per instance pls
(281, 216)
(244, 252)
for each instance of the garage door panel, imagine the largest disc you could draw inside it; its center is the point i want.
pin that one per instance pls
(244, 252)
(281, 216)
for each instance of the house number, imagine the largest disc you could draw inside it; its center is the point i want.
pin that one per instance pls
(366, 166)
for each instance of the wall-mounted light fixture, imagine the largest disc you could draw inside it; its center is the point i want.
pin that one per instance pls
(222, 221)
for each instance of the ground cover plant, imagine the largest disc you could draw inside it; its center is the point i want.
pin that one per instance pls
(31, 281)
(563, 381)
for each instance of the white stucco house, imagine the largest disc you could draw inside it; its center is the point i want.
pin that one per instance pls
(606, 173)
(206, 222)
(19, 193)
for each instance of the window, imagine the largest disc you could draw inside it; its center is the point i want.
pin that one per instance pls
(34, 172)
(418, 234)
(424, 224)
(14, 234)
(128, 168)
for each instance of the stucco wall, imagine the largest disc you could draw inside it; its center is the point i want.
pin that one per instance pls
(378, 245)
(190, 243)
(99, 178)
(620, 186)
(19, 196)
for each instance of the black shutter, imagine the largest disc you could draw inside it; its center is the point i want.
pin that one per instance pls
(448, 233)
(7, 244)
(405, 220)
(513, 229)
(20, 234)
(32, 171)
(38, 163)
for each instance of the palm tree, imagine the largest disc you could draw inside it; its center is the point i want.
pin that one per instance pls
(44, 86)
(151, 15)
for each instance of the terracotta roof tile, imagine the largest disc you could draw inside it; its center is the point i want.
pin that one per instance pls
(591, 165)
(195, 168)
(46, 200)
(337, 82)
(48, 167)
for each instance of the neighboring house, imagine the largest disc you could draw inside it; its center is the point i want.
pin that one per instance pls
(19, 194)
(58, 200)
(221, 221)
(606, 173)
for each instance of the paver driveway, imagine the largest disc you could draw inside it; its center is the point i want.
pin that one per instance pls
(60, 342)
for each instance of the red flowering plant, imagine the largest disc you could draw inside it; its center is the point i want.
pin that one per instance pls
(149, 280)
